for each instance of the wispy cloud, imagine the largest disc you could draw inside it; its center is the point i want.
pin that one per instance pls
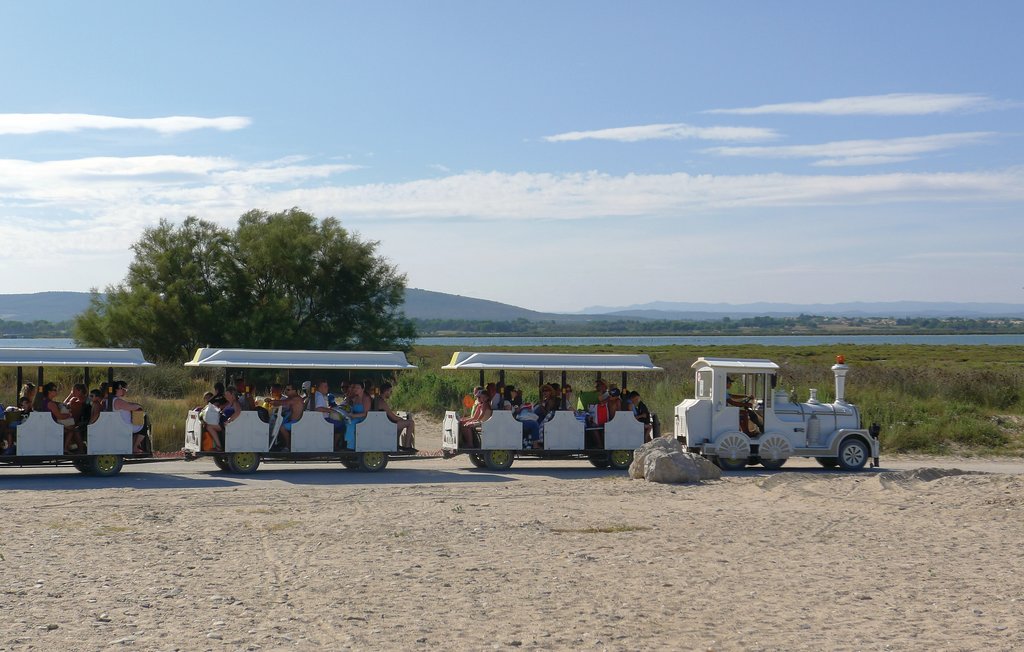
(861, 152)
(84, 214)
(891, 104)
(673, 131)
(37, 123)
(136, 191)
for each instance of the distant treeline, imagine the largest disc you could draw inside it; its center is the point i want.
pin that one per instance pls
(38, 328)
(725, 326)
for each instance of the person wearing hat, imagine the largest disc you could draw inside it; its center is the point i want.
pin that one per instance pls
(614, 401)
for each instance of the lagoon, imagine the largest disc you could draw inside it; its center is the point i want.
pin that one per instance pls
(661, 340)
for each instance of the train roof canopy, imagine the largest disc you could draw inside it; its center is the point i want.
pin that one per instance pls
(18, 357)
(463, 360)
(737, 365)
(280, 359)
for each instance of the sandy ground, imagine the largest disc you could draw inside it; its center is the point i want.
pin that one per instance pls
(548, 555)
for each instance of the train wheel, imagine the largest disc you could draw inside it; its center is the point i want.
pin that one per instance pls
(373, 461)
(599, 460)
(731, 464)
(733, 451)
(853, 455)
(477, 460)
(105, 465)
(827, 462)
(222, 462)
(620, 460)
(243, 462)
(350, 463)
(772, 465)
(498, 460)
(83, 466)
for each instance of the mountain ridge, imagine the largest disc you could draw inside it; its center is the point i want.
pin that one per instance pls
(429, 304)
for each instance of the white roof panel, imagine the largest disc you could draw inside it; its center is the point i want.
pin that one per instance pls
(17, 357)
(737, 365)
(552, 361)
(280, 359)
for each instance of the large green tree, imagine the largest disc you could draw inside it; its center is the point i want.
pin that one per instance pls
(279, 280)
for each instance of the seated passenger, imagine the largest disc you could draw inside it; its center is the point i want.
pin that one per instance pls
(406, 427)
(59, 411)
(245, 399)
(322, 404)
(91, 411)
(207, 397)
(642, 414)
(76, 401)
(359, 406)
(14, 417)
(211, 417)
(568, 399)
(510, 398)
(233, 407)
(750, 421)
(274, 393)
(493, 396)
(614, 401)
(126, 408)
(468, 426)
(38, 398)
(293, 407)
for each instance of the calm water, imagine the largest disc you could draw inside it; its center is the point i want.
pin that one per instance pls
(696, 340)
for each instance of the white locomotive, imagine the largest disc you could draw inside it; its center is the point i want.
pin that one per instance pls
(758, 423)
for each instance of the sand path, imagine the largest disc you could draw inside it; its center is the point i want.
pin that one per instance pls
(552, 555)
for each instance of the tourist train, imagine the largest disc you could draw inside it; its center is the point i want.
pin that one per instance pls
(107, 430)
(737, 417)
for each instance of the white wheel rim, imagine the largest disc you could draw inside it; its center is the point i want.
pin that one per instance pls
(734, 447)
(774, 447)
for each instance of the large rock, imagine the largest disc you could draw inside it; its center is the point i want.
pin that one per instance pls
(664, 460)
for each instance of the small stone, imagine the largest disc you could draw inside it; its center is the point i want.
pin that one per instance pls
(215, 636)
(104, 618)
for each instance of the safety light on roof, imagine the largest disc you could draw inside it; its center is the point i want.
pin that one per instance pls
(840, 359)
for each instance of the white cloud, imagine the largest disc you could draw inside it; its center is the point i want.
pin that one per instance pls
(137, 191)
(77, 219)
(861, 152)
(891, 104)
(37, 123)
(674, 131)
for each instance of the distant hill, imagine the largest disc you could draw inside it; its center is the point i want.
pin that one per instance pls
(425, 304)
(419, 304)
(44, 306)
(716, 311)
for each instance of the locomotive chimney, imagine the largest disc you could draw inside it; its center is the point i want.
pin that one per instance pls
(840, 369)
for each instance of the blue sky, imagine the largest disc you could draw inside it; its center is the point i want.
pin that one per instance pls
(552, 155)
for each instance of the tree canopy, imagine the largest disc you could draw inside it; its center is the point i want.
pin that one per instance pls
(277, 281)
